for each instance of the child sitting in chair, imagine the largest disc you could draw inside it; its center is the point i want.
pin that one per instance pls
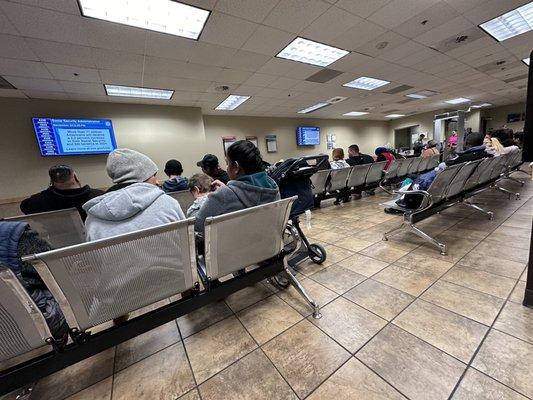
(200, 187)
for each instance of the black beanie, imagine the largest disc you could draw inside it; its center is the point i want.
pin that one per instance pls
(173, 167)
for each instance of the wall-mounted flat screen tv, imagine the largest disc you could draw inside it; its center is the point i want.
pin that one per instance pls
(70, 137)
(308, 135)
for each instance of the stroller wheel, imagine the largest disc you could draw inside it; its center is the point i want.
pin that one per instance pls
(281, 280)
(317, 253)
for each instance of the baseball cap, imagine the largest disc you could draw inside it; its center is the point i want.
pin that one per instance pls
(209, 160)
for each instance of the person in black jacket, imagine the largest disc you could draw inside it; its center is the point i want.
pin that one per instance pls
(356, 158)
(65, 191)
(210, 166)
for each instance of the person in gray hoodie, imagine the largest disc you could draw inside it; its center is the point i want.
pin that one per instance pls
(249, 184)
(134, 203)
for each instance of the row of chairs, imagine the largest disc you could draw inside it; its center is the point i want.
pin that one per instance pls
(455, 185)
(97, 282)
(339, 182)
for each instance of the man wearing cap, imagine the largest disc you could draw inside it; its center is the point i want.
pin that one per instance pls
(134, 202)
(175, 181)
(65, 191)
(210, 166)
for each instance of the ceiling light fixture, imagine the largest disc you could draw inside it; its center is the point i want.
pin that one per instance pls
(366, 83)
(144, 93)
(526, 61)
(355, 113)
(394, 115)
(165, 16)
(513, 23)
(416, 96)
(458, 100)
(482, 105)
(231, 102)
(315, 107)
(309, 52)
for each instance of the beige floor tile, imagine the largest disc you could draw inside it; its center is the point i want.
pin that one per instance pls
(164, 375)
(476, 386)
(523, 277)
(516, 320)
(406, 280)
(479, 260)
(470, 303)
(192, 395)
(76, 377)
(450, 332)
(320, 294)
(508, 360)
(384, 251)
(203, 317)
(268, 318)
(415, 368)
(337, 278)
(497, 238)
(98, 391)
(349, 324)
(513, 233)
(480, 280)
(308, 267)
(381, 299)
(425, 265)
(305, 356)
(247, 296)
(252, 377)
(517, 295)
(336, 254)
(216, 347)
(355, 381)
(456, 248)
(330, 237)
(506, 252)
(353, 243)
(145, 345)
(363, 265)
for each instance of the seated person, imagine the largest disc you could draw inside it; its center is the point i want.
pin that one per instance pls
(338, 159)
(200, 187)
(175, 181)
(210, 166)
(65, 191)
(19, 240)
(249, 185)
(384, 154)
(430, 150)
(134, 202)
(475, 150)
(418, 145)
(357, 158)
(505, 138)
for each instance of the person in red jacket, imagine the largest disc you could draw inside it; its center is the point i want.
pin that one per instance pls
(383, 154)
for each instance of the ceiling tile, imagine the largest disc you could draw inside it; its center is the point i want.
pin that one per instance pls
(267, 40)
(295, 15)
(117, 60)
(247, 60)
(45, 24)
(62, 53)
(382, 44)
(121, 77)
(398, 11)
(66, 6)
(210, 54)
(248, 90)
(168, 46)
(428, 19)
(362, 8)
(363, 32)
(233, 76)
(442, 32)
(107, 35)
(12, 93)
(165, 82)
(41, 94)
(261, 80)
(34, 84)
(401, 51)
(22, 68)
(67, 73)
(253, 10)
(491, 9)
(227, 30)
(463, 6)
(5, 25)
(179, 69)
(284, 83)
(95, 89)
(15, 47)
(329, 25)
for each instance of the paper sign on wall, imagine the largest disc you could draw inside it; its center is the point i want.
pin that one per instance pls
(271, 143)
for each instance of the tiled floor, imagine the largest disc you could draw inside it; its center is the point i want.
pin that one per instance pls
(399, 321)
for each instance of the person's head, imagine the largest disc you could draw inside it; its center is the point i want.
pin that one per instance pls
(454, 133)
(173, 168)
(431, 143)
(63, 177)
(474, 139)
(130, 166)
(243, 158)
(380, 150)
(353, 150)
(209, 164)
(337, 154)
(200, 185)
(421, 137)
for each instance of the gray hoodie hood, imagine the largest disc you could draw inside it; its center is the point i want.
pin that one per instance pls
(124, 203)
(250, 195)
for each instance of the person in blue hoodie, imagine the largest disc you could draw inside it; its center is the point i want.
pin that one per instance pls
(175, 181)
(249, 184)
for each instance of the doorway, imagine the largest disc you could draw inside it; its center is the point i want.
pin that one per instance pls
(405, 137)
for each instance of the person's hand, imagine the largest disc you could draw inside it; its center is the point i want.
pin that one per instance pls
(217, 184)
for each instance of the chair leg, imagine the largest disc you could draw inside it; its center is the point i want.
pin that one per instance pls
(388, 234)
(521, 182)
(490, 214)
(509, 192)
(425, 236)
(298, 286)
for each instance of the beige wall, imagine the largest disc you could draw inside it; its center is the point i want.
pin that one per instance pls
(367, 134)
(497, 117)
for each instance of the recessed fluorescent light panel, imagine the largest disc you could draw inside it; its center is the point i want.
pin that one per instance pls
(309, 52)
(165, 16)
(366, 83)
(144, 93)
(394, 115)
(231, 102)
(416, 96)
(458, 100)
(482, 105)
(526, 61)
(422, 94)
(513, 23)
(317, 106)
(355, 113)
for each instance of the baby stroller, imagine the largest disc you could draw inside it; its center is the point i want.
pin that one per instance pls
(293, 178)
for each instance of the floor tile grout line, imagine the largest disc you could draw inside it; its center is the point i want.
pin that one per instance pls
(188, 360)
(501, 383)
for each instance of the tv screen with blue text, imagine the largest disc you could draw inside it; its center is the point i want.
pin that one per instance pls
(308, 135)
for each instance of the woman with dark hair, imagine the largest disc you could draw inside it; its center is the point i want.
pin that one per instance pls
(249, 184)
